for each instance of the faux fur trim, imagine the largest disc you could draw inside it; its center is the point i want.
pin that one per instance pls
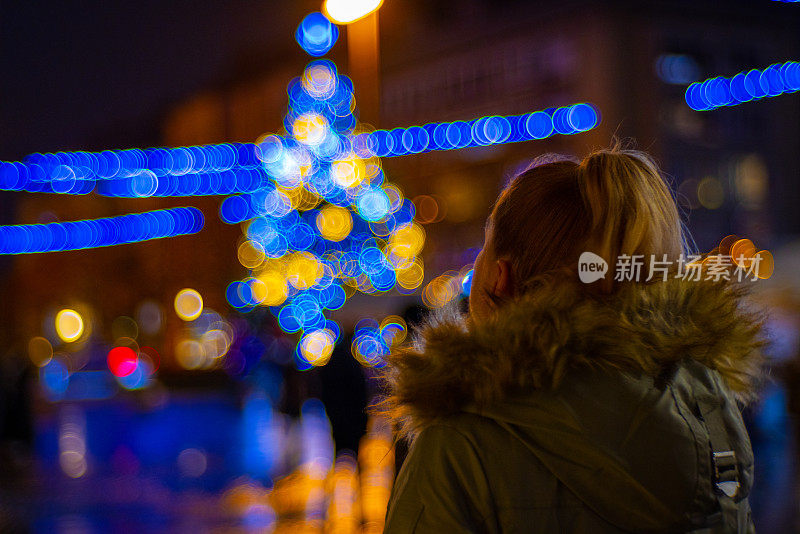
(534, 341)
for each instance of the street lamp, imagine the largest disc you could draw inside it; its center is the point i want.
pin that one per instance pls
(361, 18)
(348, 11)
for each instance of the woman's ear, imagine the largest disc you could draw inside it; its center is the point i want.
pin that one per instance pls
(504, 279)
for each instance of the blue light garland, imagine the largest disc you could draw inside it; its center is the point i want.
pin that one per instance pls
(232, 168)
(105, 232)
(483, 131)
(184, 171)
(755, 84)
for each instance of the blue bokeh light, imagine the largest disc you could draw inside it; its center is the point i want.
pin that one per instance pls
(373, 205)
(54, 376)
(717, 92)
(316, 34)
(483, 131)
(678, 69)
(75, 235)
(139, 378)
(466, 284)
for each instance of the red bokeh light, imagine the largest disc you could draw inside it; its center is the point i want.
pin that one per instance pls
(122, 361)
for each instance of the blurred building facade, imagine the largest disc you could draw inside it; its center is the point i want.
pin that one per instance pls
(734, 168)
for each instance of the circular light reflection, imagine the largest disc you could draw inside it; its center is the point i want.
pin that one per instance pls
(188, 304)
(69, 325)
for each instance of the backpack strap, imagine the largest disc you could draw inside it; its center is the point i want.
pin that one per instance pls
(725, 467)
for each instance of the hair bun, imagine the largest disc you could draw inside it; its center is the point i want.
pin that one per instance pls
(633, 210)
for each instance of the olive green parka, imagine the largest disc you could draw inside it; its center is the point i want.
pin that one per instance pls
(572, 413)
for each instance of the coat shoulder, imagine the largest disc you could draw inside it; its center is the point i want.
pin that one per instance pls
(443, 482)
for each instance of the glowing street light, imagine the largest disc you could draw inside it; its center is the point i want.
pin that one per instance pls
(347, 11)
(361, 16)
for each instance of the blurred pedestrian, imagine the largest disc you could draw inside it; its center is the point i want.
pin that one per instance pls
(563, 404)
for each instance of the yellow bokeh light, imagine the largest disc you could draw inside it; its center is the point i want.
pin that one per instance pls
(751, 181)
(344, 508)
(442, 289)
(40, 351)
(410, 276)
(310, 128)
(334, 222)
(271, 289)
(726, 243)
(742, 251)
(257, 288)
(411, 235)
(393, 319)
(303, 270)
(290, 496)
(307, 200)
(405, 243)
(215, 343)
(190, 354)
(376, 470)
(299, 198)
(766, 264)
(243, 495)
(348, 172)
(317, 347)
(291, 194)
(251, 254)
(69, 325)
(188, 304)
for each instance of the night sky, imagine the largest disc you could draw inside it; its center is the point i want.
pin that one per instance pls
(94, 75)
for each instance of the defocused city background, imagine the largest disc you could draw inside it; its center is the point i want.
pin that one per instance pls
(158, 386)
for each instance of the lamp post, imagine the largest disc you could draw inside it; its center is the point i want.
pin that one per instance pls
(361, 19)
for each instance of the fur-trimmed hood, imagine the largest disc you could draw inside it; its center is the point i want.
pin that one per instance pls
(535, 341)
(605, 393)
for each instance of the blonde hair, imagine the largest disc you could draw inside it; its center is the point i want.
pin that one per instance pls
(614, 202)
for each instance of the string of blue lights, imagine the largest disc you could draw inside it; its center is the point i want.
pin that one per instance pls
(483, 131)
(104, 232)
(231, 168)
(755, 84)
(183, 171)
